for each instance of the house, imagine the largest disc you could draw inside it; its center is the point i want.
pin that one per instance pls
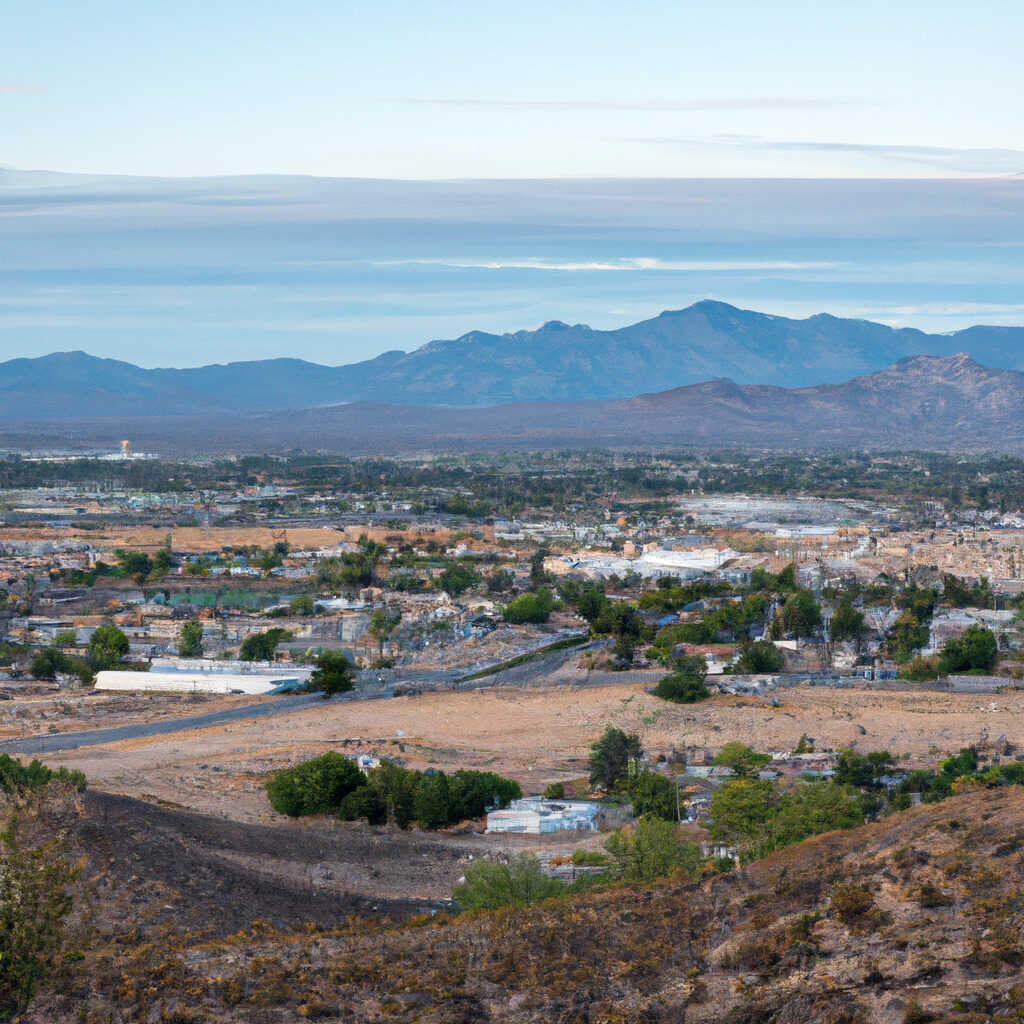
(536, 816)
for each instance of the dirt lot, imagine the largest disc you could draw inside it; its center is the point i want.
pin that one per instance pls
(535, 735)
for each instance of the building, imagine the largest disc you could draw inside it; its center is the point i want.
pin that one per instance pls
(536, 816)
(253, 683)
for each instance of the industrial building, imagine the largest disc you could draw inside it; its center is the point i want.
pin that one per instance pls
(254, 683)
(534, 815)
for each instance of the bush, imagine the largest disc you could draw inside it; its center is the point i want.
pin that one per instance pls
(654, 795)
(681, 688)
(261, 646)
(314, 787)
(760, 658)
(535, 607)
(555, 791)
(852, 903)
(520, 883)
(17, 778)
(652, 850)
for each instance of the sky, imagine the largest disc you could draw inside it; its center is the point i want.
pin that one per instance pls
(330, 180)
(434, 89)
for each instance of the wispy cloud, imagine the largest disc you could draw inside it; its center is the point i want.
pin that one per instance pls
(637, 263)
(10, 89)
(966, 159)
(712, 104)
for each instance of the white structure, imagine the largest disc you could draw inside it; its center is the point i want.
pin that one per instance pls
(536, 816)
(198, 682)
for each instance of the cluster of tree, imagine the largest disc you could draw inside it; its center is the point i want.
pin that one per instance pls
(847, 622)
(261, 646)
(670, 596)
(730, 622)
(685, 683)
(352, 569)
(974, 651)
(761, 657)
(531, 607)
(107, 646)
(457, 578)
(960, 595)
(332, 784)
(800, 616)
(754, 816)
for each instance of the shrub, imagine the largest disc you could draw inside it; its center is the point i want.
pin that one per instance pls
(652, 850)
(555, 791)
(852, 903)
(519, 883)
(535, 607)
(314, 787)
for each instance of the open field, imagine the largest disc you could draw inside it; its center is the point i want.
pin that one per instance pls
(533, 735)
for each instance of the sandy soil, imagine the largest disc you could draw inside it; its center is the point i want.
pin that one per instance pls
(535, 736)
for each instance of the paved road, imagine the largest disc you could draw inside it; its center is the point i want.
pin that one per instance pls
(51, 743)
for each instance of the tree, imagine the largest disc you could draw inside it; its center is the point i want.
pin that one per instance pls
(847, 622)
(535, 607)
(610, 757)
(801, 614)
(301, 604)
(500, 581)
(433, 801)
(760, 657)
(741, 810)
(317, 786)
(261, 646)
(136, 564)
(47, 663)
(741, 759)
(34, 902)
(333, 674)
(520, 883)
(652, 850)
(656, 796)
(554, 791)
(66, 638)
(162, 561)
(906, 636)
(107, 646)
(190, 640)
(457, 578)
(686, 684)
(975, 650)
(538, 576)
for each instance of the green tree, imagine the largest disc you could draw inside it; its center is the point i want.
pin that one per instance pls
(686, 684)
(458, 578)
(333, 674)
(847, 622)
(975, 650)
(301, 604)
(48, 663)
(433, 801)
(107, 646)
(801, 614)
(500, 581)
(610, 757)
(162, 561)
(136, 564)
(535, 607)
(760, 657)
(34, 903)
(317, 786)
(261, 646)
(741, 759)
(190, 640)
(741, 810)
(520, 883)
(66, 638)
(652, 850)
(906, 636)
(654, 795)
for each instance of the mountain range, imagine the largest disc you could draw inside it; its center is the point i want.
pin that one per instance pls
(922, 402)
(556, 363)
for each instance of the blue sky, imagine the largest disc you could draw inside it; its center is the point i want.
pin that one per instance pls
(483, 89)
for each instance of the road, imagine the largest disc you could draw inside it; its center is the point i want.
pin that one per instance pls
(51, 743)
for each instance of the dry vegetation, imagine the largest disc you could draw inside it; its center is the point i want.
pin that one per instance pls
(915, 918)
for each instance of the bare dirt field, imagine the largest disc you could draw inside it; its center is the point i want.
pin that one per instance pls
(534, 735)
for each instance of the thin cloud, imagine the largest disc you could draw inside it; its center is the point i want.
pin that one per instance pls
(992, 159)
(639, 263)
(720, 104)
(10, 89)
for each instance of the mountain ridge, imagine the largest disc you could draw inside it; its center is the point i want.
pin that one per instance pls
(556, 362)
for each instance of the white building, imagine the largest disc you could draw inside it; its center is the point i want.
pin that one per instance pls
(536, 816)
(198, 682)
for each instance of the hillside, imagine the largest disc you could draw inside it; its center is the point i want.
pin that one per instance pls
(557, 362)
(914, 918)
